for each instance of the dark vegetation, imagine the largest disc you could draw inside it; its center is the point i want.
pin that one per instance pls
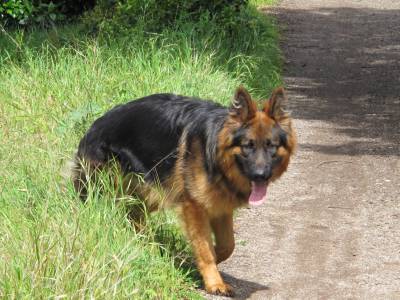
(153, 13)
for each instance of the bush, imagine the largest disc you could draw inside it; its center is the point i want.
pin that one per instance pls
(155, 15)
(18, 10)
(44, 12)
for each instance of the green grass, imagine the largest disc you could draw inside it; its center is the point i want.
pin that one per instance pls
(53, 84)
(263, 2)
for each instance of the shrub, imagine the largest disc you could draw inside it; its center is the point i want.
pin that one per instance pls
(44, 12)
(155, 15)
(18, 10)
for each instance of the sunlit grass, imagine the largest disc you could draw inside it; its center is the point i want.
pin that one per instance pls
(53, 84)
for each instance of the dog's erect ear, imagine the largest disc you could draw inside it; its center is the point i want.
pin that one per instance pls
(275, 106)
(243, 107)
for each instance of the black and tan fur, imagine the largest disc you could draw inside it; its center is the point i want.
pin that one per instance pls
(204, 156)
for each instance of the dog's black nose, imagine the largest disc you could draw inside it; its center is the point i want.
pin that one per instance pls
(261, 174)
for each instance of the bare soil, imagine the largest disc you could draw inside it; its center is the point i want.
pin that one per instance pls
(331, 227)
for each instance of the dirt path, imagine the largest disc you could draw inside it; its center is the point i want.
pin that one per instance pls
(332, 226)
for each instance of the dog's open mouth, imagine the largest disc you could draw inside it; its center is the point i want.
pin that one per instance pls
(258, 193)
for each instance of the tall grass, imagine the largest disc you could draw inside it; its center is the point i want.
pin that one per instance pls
(53, 84)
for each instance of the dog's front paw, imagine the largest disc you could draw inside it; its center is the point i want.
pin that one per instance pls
(220, 289)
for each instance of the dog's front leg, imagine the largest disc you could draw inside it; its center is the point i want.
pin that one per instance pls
(198, 230)
(223, 230)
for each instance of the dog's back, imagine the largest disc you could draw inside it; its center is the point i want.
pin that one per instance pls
(143, 135)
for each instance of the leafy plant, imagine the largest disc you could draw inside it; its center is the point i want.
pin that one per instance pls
(18, 10)
(43, 12)
(156, 15)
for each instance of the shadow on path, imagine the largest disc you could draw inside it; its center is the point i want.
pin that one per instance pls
(346, 72)
(243, 288)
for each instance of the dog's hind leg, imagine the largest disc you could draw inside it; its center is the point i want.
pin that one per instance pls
(84, 172)
(79, 175)
(198, 229)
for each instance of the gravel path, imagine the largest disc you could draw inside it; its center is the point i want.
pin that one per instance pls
(331, 229)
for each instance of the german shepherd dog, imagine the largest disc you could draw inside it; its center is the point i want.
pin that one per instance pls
(209, 160)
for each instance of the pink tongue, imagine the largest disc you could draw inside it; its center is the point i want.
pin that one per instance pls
(258, 193)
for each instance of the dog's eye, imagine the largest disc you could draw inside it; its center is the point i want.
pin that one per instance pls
(248, 148)
(268, 143)
(249, 145)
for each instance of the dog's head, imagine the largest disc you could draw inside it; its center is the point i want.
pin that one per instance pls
(256, 145)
